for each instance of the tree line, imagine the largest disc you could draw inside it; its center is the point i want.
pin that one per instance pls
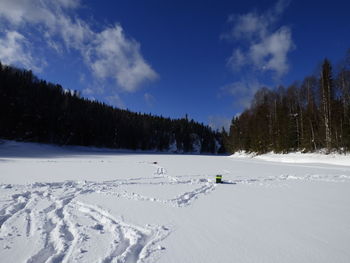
(35, 110)
(306, 116)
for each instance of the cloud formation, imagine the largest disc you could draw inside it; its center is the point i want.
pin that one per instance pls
(261, 47)
(108, 53)
(149, 99)
(115, 100)
(111, 54)
(14, 48)
(267, 47)
(243, 90)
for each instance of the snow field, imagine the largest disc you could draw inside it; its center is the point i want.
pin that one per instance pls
(87, 205)
(298, 157)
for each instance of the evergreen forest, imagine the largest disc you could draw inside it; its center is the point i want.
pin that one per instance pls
(306, 116)
(34, 110)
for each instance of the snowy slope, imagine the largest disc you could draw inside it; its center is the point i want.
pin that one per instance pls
(91, 205)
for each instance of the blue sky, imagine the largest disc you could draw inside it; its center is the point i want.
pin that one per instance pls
(203, 58)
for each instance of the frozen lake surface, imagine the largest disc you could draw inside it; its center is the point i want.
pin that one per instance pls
(75, 204)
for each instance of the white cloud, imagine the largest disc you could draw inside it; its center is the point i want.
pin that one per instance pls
(115, 100)
(266, 47)
(279, 7)
(271, 52)
(15, 49)
(111, 54)
(237, 60)
(243, 90)
(150, 99)
(247, 26)
(69, 3)
(37, 12)
(107, 53)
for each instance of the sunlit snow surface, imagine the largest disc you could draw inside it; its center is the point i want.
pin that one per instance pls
(76, 204)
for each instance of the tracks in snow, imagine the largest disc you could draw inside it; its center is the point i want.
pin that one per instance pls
(68, 230)
(130, 243)
(334, 178)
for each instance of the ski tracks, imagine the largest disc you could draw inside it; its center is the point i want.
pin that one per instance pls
(68, 230)
(65, 229)
(130, 243)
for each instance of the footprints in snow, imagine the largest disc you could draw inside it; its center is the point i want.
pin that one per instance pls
(68, 230)
(160, 171)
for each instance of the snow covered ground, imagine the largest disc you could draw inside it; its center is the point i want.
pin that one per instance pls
(298, 157)
(78, 204)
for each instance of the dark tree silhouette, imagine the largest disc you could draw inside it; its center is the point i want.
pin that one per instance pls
(308, 116)
(37, 111)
